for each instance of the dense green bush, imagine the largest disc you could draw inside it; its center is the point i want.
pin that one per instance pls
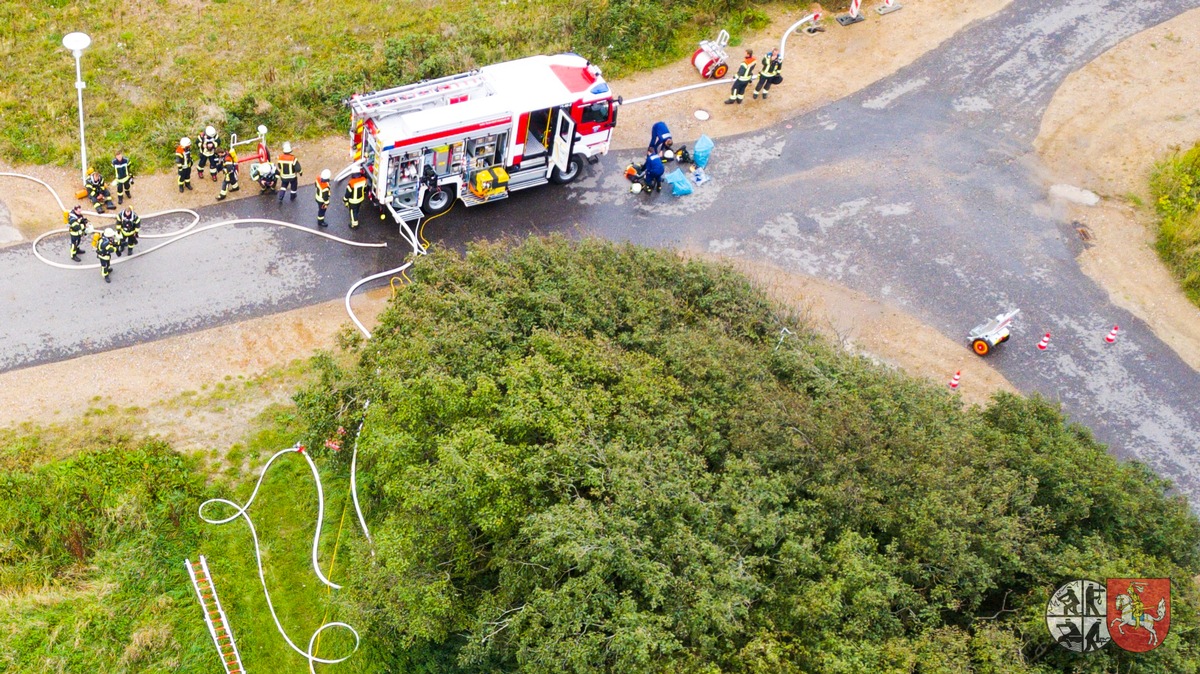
(91, 562)
(597, 458)
(1175, 185)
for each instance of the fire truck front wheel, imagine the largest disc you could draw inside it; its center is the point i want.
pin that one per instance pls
(439, 201)
(574, 168)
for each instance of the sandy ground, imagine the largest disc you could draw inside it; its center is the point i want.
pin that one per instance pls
(149, 374)
(1104, 130)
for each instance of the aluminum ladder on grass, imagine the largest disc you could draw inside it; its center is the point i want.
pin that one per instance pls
(214, 615)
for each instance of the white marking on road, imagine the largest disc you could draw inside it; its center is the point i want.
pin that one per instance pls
(971, 104)
(886, 98)
(842, 211)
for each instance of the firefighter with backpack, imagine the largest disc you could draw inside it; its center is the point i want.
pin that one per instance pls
(105, 247)
(129, 226)
(356, 193)
(322, 197)
(768, 74)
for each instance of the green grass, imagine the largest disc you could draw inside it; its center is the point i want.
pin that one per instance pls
(1175, 186)
(93, 542)
(158, 70)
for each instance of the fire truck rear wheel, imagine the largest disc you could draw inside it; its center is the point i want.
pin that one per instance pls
(440, 201)
(574, 168)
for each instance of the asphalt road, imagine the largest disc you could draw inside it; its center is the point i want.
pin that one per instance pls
(922, 189)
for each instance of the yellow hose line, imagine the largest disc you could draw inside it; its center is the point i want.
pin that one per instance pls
(329, 590)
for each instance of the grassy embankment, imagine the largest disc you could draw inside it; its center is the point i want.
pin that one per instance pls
(1175, 186)
(160, 70)
(97, 524)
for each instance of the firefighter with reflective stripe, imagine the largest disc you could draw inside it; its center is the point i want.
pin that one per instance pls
(183, 162)
(771, 65)
(356, 193)
(322, 197)
(660, 137)
(104, 250)
(122, 177)
(741, 80)
(289, 171)
(209, 143)
(97, 191)
(229, 182)
(265, 175)
(76, 227)
(129, 226)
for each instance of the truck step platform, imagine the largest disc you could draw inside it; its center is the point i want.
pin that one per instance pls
(525, 180)
(470, 199)
(407, 213)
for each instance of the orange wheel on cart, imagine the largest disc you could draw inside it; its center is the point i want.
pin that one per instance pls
(981, 347)
(720, 71)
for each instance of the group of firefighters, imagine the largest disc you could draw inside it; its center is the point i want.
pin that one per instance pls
(772, 64)
(282, 177)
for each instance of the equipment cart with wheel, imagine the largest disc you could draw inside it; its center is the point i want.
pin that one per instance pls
(987, 336)
(710, 59)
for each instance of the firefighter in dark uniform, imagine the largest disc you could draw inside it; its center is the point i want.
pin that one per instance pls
(230, 182)
(97, 191)
(741, 80)
(356, 193)
(122, 177)
(289, 171)
(104, 250)
(771, 65)
(129, 226)
(322, 197)
(209, 143)
(76, 227)
(183, 162)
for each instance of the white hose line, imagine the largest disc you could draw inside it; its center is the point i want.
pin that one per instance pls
(814, 17)
(240, 511)
(361, 327)
(187, 231)
(648, 97)
(39, 181)
(354, 481)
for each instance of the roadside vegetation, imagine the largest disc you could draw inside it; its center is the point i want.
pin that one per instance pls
(1175, 186)
(159, 70)
(595, 458)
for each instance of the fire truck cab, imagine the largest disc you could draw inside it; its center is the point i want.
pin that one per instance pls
(479, 136)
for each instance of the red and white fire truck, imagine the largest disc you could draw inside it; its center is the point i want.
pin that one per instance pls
(481, 135)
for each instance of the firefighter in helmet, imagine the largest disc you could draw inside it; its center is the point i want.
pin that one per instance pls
(183, 163)
(356, 193)
(97, 191)
(264, 174)
(209, 143)
(741, 80)
(229, 165)
(289, 171)
(322, 197)
(104, 250)
(76, 227)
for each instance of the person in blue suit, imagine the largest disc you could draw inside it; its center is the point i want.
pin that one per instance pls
(660, 137)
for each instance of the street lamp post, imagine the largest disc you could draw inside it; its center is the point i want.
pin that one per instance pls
(77, 42)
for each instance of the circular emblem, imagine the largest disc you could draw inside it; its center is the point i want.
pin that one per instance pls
(1075, 616)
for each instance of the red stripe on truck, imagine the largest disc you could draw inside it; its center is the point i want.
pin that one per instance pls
(452, 132)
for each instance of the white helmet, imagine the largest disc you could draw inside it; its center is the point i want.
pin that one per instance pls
(668, 155)
(209, 131)
(110, 232)
(185, 141)
(287, 147)
(266, 168)
(326, 175)
(635, 188)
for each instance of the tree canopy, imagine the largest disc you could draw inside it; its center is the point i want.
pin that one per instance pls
(581, 457)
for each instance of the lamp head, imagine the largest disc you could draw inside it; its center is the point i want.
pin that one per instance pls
(76, 42)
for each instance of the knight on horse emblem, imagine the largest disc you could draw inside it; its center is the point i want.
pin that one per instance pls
(1130, 625)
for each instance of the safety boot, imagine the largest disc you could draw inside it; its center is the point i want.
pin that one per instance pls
(75, 257)
(181, 188)
(764, 96)
(120, 198)
(188, 184)
(756, 96)
(730, 101)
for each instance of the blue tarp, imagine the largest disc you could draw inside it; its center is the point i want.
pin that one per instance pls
(680, 185)
(700, 152)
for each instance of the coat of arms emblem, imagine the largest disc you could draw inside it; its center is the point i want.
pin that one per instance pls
(1139, 612)
(1075, 616)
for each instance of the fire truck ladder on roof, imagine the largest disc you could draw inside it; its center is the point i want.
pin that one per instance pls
(421, 95)
(214, 616)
